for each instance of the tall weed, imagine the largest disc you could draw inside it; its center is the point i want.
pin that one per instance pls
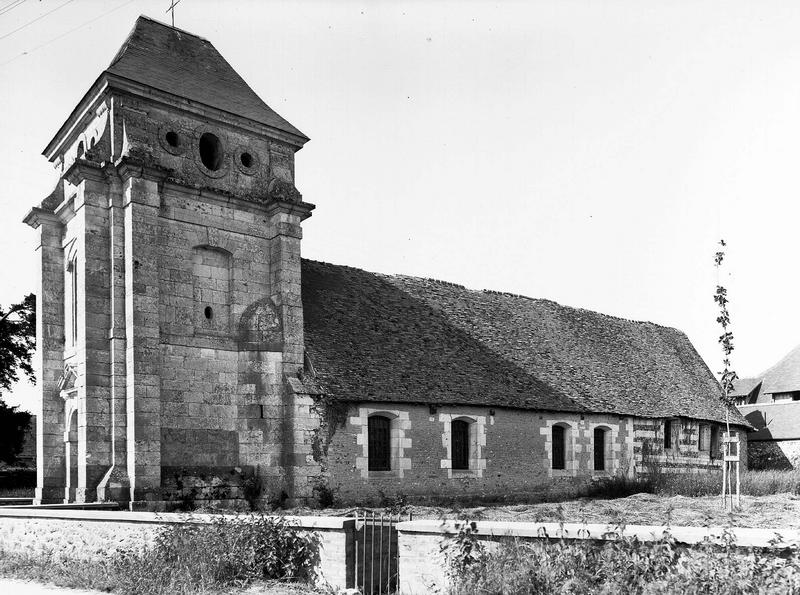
(622, 565)
(190, 558)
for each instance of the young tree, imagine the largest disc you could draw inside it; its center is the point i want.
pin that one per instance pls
(17, 342)
(727, 378)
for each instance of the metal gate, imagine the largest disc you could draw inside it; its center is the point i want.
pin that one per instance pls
(376, 554)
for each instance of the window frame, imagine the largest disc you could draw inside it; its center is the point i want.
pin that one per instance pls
(703, 438)
(603, 432)
(379, 437)
(461, 461)
(669, 439)
(561, 448)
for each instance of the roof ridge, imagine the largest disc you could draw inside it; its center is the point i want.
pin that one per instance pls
(508, 294)
(167, 25)
(764, 374)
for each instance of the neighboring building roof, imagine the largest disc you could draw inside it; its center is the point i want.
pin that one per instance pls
(373, 337)
(778, 421)
(783, 377)
(745, 387)
(188, 66)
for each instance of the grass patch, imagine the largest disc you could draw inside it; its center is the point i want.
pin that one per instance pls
(624, 565)
(229, 553)
(16, 492)
(752, 483)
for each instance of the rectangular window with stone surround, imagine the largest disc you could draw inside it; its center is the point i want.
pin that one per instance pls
(464, 443)
(372, 462)
(379, 449)
(459, 430)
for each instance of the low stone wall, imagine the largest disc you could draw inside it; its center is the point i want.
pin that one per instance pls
(422, 563)
(85, 534)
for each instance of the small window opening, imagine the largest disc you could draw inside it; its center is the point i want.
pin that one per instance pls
(378, 444)
(702, 438)
(246, 159)
(667, 434)
(559, 448)
(172, 139)
(209, 312)
(599, 449)
(714, 443)
(211, 151)
(459, 445)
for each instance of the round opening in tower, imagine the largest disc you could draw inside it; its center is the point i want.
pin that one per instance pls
(247, 159)
(211, 151)
(209, 312)
(172, 139)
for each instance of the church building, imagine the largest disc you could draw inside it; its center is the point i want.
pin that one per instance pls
(186, 351)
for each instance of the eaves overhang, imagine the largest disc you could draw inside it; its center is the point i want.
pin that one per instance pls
(108, 81)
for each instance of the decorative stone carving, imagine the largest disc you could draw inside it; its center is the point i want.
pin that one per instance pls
(281, 190)
(260, 327)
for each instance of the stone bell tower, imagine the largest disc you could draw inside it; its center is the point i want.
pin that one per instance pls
(170, 324)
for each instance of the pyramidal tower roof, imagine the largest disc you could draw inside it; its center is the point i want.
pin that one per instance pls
(187, 65)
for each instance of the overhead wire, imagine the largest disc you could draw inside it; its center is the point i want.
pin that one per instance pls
(10, 6)
(39, 18)
(54, 39)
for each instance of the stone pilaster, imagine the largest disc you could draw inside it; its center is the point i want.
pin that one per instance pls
(49, 358)
(94, 416)
(141, 202)
(285, 290)
(115, 484)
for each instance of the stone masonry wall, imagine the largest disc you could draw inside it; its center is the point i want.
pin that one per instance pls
(92, 535)
(189, 314)
(510, 453)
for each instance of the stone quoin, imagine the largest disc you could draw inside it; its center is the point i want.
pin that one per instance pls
(185, 351)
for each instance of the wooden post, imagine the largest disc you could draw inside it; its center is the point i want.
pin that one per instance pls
(730, 442)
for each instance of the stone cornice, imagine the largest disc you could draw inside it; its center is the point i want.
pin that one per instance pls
(129, 168)
(107, 82)
(303, 209)
(84, 169)
(38, 216)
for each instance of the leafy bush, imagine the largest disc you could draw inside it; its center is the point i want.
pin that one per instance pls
(189, 558)
(622, 565)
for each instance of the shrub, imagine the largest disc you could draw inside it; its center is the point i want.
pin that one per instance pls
(623, 565)
(229, 551)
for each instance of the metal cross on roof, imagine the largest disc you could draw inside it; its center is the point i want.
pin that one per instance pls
(173, 4)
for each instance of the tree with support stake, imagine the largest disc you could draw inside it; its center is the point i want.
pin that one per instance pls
(730, 440)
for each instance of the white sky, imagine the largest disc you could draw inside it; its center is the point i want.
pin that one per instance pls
(591, 153)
